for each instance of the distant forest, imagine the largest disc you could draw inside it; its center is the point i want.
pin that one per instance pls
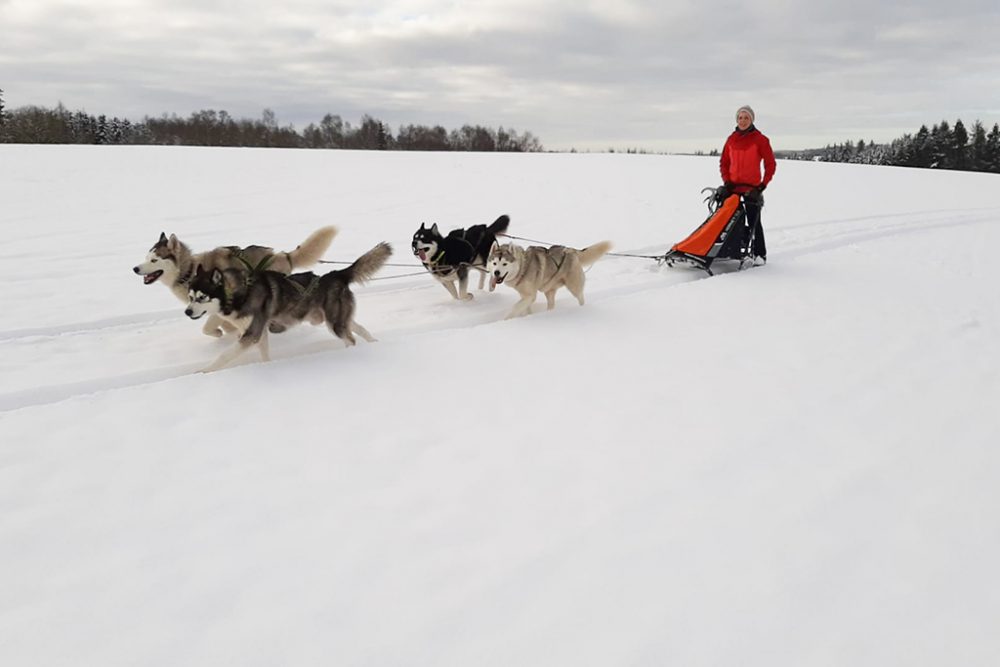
(941, 147)
(37, 125)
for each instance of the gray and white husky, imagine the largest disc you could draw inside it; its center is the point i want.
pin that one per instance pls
(172, 263)
(537, 269)
(264, 301)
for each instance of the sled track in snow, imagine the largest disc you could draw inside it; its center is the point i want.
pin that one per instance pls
(152, 318)
(840, 239)
(914, 216)
(830, 235)
(44, 395)
(89, 326)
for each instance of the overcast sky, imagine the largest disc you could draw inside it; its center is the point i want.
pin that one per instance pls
(582, 74)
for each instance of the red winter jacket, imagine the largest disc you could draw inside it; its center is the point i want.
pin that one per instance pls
(741, 158)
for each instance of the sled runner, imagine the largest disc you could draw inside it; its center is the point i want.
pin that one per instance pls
(723, 235)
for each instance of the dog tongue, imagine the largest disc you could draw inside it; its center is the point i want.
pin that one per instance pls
(422, 255)
(493, 283)
(149, 278)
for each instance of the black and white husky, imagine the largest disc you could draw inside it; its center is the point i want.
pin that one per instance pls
(172, 263)
(448, 258)
(264, 301)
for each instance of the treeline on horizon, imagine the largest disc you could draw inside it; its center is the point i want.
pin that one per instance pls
(942, 147)
(38, 125)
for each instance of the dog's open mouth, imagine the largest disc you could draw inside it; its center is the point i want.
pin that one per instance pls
(496, 280)
(151, 278)
(422, 255)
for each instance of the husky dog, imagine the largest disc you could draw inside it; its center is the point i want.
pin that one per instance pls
(271, 301)
(448, 258)
(172, 263)
(537, 269)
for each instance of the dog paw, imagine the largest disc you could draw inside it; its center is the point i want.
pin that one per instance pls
(467, 297)
(214, 333)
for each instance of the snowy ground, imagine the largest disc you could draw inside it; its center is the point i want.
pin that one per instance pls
(794, 465)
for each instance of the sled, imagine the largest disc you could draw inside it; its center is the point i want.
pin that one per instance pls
(723, 235)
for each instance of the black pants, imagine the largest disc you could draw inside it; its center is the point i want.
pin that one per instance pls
(759, 248)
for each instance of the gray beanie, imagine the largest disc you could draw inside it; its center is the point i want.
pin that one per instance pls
(745, 107)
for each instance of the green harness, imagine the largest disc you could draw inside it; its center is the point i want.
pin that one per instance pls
(307, 291)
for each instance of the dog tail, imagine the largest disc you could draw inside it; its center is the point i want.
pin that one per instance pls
(368, 264)
(591, 254)
(499, 225)
(312, 249)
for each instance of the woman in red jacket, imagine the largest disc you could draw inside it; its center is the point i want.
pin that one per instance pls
(745, 150)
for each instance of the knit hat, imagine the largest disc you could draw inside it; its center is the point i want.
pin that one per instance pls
(745, 107)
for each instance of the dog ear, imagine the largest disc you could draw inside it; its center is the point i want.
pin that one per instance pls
(163, 239)
(434, 230)
(172, 243)
(422, 228)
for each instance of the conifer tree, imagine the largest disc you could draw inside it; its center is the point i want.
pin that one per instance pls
(101, 136)
(940, 144)
(978, 157)
(993, 149)
(958, 157)
(921, 154)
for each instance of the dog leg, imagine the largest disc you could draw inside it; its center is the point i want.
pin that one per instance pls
(482, 279)
(342, 330)
(550, 299)
(463, 284)
(215, 326)
(450, 286)
(576, 289)
(253, 330)
(226, 358)
(361, 331)
(522, 307)
(265, 347)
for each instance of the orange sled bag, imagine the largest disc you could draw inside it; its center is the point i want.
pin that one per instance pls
(724, 235)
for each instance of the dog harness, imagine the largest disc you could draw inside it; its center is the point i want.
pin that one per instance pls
(305, 292)
(433, 267)
(261, 265)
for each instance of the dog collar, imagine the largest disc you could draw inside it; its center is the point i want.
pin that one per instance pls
(186, 279)
(227, 295)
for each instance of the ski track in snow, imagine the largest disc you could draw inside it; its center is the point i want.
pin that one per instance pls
(94, 340)
(93, 325)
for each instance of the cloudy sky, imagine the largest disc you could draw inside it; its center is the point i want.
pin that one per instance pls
(585, 74)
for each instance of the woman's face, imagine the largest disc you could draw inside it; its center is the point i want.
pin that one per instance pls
(743, 120)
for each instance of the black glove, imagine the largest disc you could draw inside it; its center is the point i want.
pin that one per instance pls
(722, 192)
(755, 196)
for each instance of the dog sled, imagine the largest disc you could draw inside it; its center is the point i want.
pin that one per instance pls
(724, 235)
